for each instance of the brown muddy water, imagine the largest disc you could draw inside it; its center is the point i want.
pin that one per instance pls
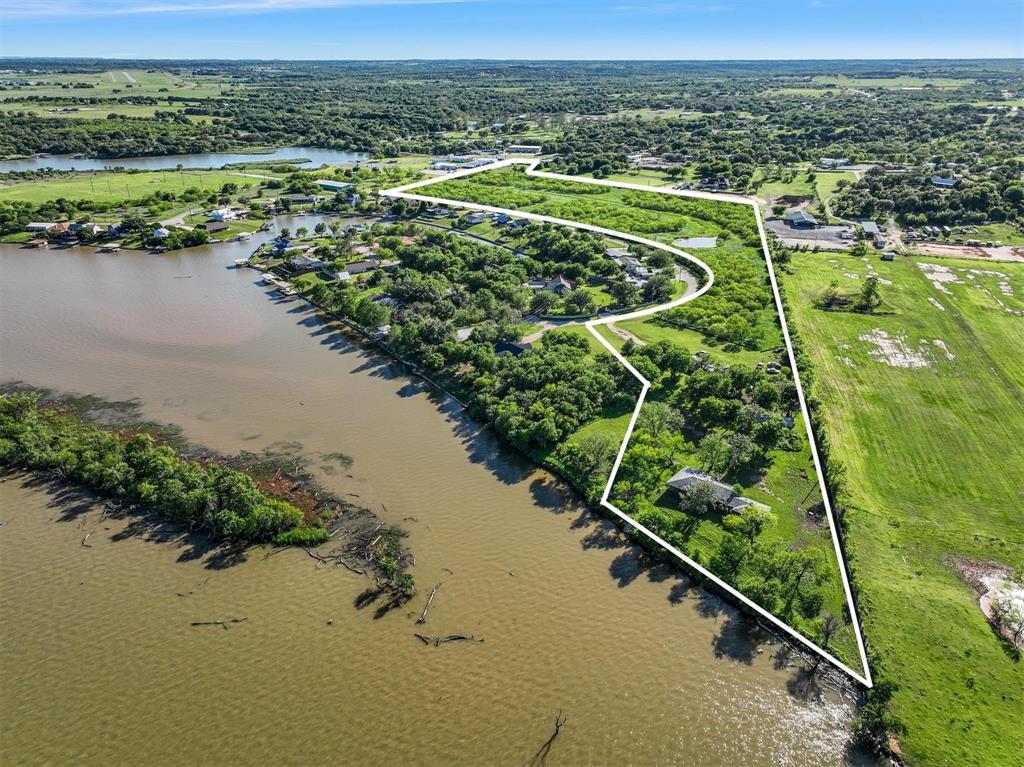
(99, 663)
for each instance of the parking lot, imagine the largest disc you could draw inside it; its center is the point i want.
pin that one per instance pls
(824, 237)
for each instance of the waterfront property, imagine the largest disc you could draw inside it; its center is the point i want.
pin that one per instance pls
(688, 478)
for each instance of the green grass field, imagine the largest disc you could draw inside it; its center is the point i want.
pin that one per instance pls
(790, 484)
(116, 186)
(118, 83)
(903, 81)
(934, 459)
(1005, 233)
(96, 111)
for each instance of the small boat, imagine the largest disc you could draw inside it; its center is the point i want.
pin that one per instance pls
(240, 262)
(243, 236)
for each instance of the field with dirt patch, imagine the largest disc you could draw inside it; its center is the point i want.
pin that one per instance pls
(923, 407)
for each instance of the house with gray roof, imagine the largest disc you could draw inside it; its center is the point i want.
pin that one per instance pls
(688, 477)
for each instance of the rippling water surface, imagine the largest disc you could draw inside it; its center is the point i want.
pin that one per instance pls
(99, 663)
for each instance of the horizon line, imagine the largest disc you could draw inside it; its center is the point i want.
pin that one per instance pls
(43, 57)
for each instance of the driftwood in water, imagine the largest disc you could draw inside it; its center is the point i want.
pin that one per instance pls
(85, 541)
(541, 757)
(226, 624)
(423, 615)
(322, 560)
(439, 640)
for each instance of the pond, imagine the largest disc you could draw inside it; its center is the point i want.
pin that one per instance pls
(316, 156)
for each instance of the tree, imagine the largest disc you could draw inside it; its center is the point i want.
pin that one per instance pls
(658, 289)
(579, 301)
(542, 302)
(657, 417)
(595, 450)
(869, 297)
(749, 522)
(731, 556)
(713, 451)
(699, 498)
(626, 293)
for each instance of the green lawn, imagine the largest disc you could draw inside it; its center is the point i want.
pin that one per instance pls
(109, 187)
(903, 81)
(651, 330)
(798, 186)
(934, 458)
(1007, 234)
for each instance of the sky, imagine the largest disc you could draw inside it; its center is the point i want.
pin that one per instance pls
(513, 29)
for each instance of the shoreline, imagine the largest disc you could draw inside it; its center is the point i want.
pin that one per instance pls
(836, 679)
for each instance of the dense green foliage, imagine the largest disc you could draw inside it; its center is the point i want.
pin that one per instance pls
(132, 467)
(445, 283)
(913, 198)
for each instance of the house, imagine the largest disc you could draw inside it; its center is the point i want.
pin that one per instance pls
(380, 333)
(888, 256)
(40, 226)
(801, 219)
(353, 199)
(504, 348)
(944, 183)
(519, 223)
(640, 273)
(214, 226)
(475, 218)
(523, 149)
(479, 162)
(462, 334)
(879, 241)
(714, 184)
(387, 301)
(727, 497)
(503, 218)
(828, 163)
(303, 199)
(358, 267)
(559, 285)
(227, 214)
(443, 166)
(870, 228)
(302, 264)
(331, 185)
(616, 254)
(160, 233)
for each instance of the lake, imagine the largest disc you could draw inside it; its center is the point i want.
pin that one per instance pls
(316, 156)
(100, 663)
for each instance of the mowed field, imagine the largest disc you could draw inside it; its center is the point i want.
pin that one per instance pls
(923, 406)
(116, 83)
(115, 186)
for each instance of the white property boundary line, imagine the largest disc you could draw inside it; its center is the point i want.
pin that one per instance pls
(403, 192)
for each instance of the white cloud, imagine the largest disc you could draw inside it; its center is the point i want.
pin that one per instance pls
(57, 9)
